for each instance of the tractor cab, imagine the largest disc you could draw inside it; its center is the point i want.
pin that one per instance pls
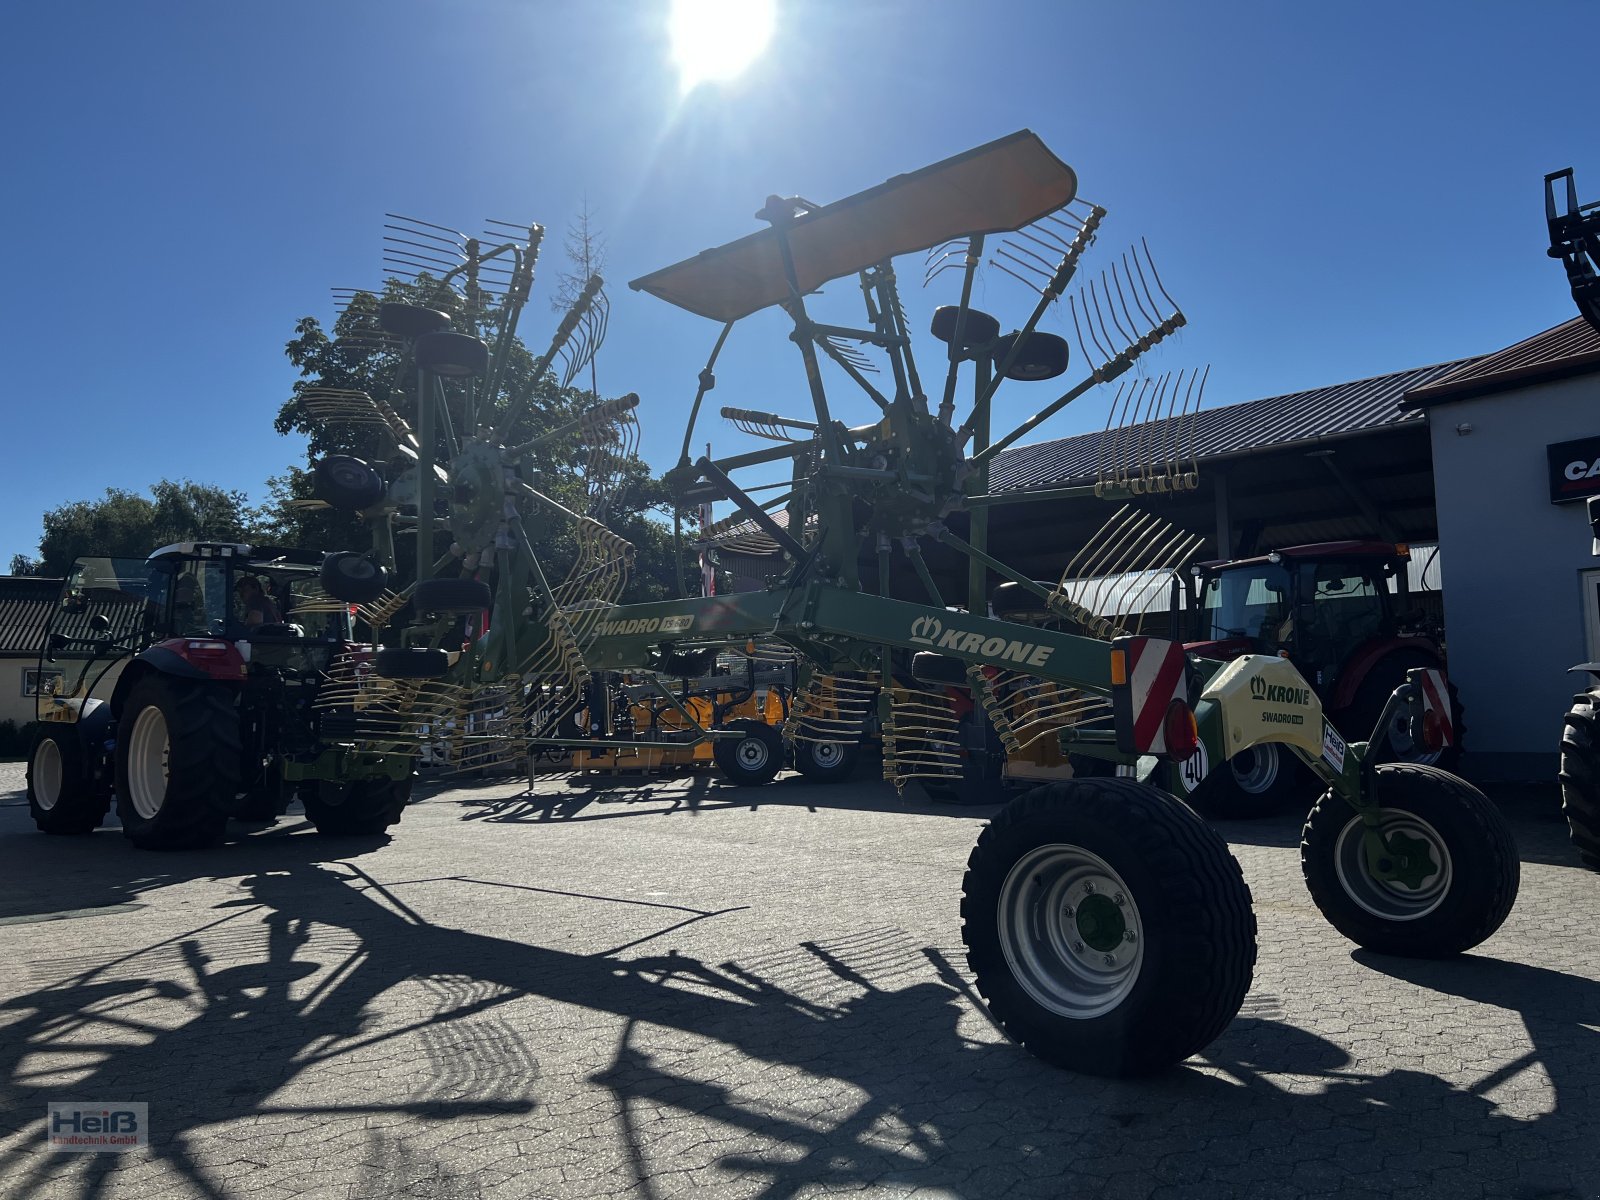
(1315, 604)
(182, 610)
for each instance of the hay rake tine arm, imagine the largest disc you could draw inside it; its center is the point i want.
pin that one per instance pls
(780, 214)
(707, 381)
(850, 369)
(732, 491)
(1051, 292)
(947, 404)
(914, 553)
(516, 296)
(599, 412)
(564, 332)
(994, 564)
(1033, 422)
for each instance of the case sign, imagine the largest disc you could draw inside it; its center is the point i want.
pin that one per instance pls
(1574, 469)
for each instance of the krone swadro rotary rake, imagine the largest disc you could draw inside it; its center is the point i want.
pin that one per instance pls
(1107, 925)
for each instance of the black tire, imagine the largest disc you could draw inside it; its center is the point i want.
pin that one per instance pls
(194, 727)
(410, 662)
(353, 578)
(451, 596)
(63, 794)
(1042, 356)
(826, 762)
(1356, 723)
(359, 808)
(1254, 783)
(1467, 843)
(1171, 989)
(1013, 602)
(939, 669)
(348, 484)
(1580, 776)
(980, 329)
(411, 320)
(753, 759)
(451, 354)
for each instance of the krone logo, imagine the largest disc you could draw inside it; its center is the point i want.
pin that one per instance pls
(1258, 688)
(926, 629)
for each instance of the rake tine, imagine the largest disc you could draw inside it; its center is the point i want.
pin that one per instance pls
(1000, 266)
(1148, 319)
(1132, 387)
(1116, 278)
(1107, 438)
(1026, 266)
(426, 224)
(1151, 432)
(1089, 319)
(1192, 475)
(1040, 236)
(1072, 565)
(1167, 439)
(1100, 316)
(1045, 239)
(392, 240)
(1045, 268)
(1171, 303)
(1111, 309)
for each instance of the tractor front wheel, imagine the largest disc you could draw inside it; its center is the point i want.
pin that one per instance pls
(62, 794)
(1457, 865)
(361, 807)
(1108, 927)
(1580, 775)
(178, 763)
(752, 759)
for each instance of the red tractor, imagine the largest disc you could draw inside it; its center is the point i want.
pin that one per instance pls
(184, 695)
(1342, 612)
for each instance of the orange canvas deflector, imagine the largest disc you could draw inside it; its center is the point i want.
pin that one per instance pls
(997, 187)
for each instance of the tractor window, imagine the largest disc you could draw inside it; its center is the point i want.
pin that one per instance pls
(115, 599)
(1250, 602)
(200, 599)
(1348, 606)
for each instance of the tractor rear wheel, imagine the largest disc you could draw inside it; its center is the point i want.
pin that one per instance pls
(178, 763)
(752, 759)
(360, 807)
(826, 762)
(1254, 783)
(1465, 874)
(1108, 927)
(62, 794)
(1580, 775)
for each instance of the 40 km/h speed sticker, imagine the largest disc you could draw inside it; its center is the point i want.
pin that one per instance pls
(1194, 768)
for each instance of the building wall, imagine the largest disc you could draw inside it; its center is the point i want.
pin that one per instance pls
(14, 706)
(1513, 607)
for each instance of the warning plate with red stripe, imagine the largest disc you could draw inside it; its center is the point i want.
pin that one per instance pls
(1436, 700)
(1157, 673)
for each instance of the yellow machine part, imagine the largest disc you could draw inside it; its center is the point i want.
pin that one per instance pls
(1264, 699)
(768, 709)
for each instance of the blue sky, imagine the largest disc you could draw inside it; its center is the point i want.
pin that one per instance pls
(1332, 191)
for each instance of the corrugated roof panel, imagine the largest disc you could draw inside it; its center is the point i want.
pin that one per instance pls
(1570, 346)
(25, 606)
(1233, 429)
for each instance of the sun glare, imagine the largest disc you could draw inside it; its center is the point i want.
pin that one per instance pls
(713, 41)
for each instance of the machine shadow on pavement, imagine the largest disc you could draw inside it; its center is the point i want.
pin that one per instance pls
(859, 1062)
(594, 797)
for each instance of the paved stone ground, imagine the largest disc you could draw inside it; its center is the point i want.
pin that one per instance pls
(693, 990)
